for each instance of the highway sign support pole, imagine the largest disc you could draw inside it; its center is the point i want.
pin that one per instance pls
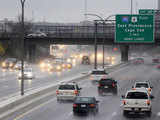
(95, 45)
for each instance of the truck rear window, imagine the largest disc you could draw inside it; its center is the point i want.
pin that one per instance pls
(66, 87)
(137, 95)
(98, 72)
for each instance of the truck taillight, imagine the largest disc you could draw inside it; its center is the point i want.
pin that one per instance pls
(74, 105)
(148, 102)
(149, 89)
(57, 92)
(113, 85)
(76, 92)
(124, 102)
(92, 105)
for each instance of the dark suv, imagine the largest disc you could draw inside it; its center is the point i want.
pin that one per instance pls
(106, 85)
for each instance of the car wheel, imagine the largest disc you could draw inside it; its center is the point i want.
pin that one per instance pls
(95, 111)
(58, 100)
(115, 91)
(74, 113)
(149, 113)
(125, 113)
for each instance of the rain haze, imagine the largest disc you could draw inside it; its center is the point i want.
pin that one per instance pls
(70, 10)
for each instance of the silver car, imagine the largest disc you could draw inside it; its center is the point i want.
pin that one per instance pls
(67, 91)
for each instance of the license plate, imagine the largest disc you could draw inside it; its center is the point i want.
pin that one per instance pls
(83, 105)
(136, 109)
(105, 86)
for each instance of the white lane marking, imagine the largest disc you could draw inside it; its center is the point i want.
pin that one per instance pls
(5, 86)
(158, 114)
(114, 113)
(68, 115)
(35, 108)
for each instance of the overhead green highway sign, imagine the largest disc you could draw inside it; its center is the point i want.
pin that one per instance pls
(134, 29)
(146, 11)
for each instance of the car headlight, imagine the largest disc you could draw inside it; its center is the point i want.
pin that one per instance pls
(68, 60)
(108, 58)
(11, 64)
(81, 55)
(113, 58)
(69, 65)
(74, 60)
(58, 67)
(42, 65)
(3, 64)
(19, 75)
(63, 65)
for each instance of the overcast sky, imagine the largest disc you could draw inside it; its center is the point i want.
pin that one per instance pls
(70, 10)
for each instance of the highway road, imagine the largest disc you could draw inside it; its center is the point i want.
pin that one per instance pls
(109, 105)
(10, 85)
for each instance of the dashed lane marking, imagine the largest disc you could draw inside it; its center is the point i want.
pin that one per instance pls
(30, 111)
(158, 114)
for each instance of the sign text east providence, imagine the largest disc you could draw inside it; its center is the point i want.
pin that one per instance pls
(134, 29)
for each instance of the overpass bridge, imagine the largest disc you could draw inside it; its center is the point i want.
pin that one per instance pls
(78, 34)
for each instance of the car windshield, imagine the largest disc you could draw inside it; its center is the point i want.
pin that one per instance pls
(66, 87)
(98, 72)
(27, 70)
(137, 95)
(106, 81)
(84, 100)
(139, 85)
(11, 59)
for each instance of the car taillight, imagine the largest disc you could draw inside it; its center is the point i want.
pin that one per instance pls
(57, 92)
(113, 85)
(124, 102)
(99, 85)
(148, 102)
(104, 76)
(75, 105)
(92, 105)
(149, 89)
(133, 88)
(76, 92)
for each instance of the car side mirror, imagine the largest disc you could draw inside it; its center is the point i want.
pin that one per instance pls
(97, 101)
(151, 86)
(151, 96)
(80, 88)
(123, 96)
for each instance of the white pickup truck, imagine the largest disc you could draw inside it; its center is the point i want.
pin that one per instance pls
(97, 74)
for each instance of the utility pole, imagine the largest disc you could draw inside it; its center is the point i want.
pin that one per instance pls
(22, 47)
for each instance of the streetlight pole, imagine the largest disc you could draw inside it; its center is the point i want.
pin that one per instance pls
(103, 20)
(95, 46)
(103, 42)
(95, 42)
(22, 47)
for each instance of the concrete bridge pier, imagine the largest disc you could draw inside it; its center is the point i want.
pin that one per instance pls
(31, 52)
(124, 52)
